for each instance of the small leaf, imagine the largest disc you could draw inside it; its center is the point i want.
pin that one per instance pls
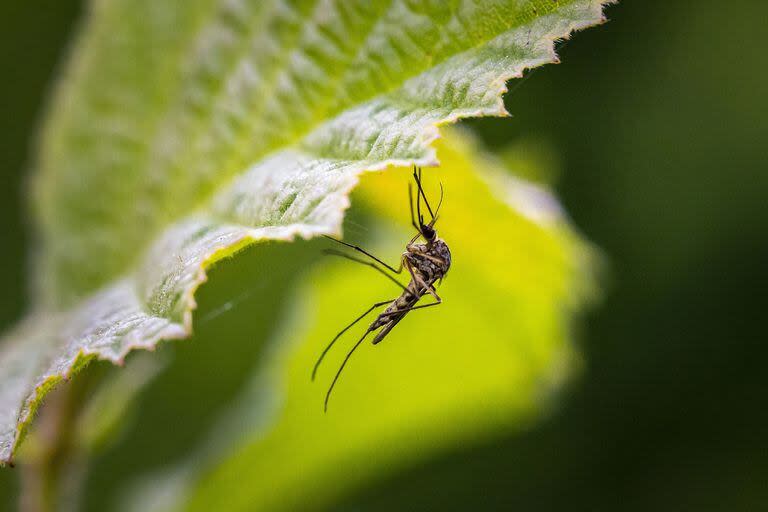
(184, 131)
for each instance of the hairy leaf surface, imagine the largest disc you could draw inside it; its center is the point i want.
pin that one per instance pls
(184, 131)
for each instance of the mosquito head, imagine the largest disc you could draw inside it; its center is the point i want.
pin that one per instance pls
(427, 230)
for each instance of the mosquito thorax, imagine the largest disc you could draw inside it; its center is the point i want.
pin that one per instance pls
(432, 259)
(440, 249)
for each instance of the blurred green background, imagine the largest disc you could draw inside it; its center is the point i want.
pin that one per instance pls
(658, 119)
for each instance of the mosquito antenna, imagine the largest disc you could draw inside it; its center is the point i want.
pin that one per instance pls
(439, 204)
(343, 364)
(421, 190)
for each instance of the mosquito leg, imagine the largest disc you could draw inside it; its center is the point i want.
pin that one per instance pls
(430, 289)
(411, 308)
(361, 250)
(320, 359)
(411, 248)
(420, 282)
(334, 252)
(393, 317)
(410, 243)
(343, 364)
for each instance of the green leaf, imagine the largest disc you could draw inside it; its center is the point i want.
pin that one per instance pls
(486, 361)
(184, 131)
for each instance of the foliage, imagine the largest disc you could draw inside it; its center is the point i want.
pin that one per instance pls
(487, 360)
(184, 132)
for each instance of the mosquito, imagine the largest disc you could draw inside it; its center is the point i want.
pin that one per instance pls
(427, 263)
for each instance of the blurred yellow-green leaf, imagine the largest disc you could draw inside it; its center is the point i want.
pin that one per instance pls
(486, 361)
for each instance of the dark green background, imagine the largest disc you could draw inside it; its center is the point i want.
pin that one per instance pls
(659, 118)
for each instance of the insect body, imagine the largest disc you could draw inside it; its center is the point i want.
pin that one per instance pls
(427, 263)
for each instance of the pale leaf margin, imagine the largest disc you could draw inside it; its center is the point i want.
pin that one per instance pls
(296, 192)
